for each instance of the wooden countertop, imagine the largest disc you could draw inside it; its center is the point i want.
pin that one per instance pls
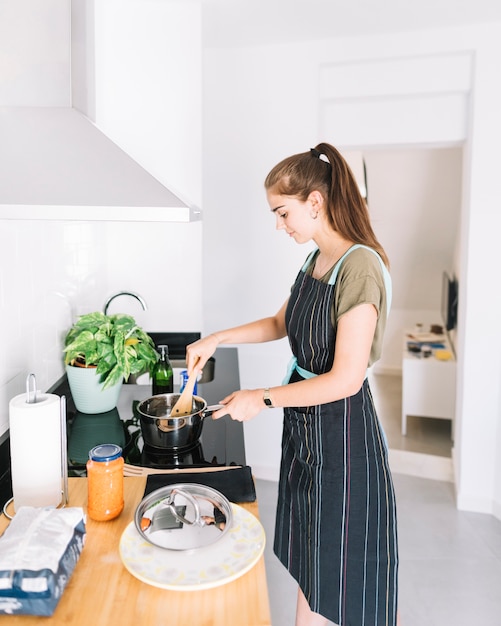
(103, 593)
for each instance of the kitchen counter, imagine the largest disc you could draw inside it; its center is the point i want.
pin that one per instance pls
(102, 592)
(221, 443)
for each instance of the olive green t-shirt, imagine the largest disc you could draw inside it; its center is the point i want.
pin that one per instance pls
(359, 281)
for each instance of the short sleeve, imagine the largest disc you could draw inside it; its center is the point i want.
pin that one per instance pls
(360, 281)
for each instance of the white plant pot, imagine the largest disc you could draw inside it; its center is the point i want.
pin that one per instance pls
(88, 393)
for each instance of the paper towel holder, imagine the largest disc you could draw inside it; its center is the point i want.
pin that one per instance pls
(31, 387)
(31, 398)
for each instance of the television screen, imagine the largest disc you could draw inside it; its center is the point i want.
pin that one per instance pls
(449, 301)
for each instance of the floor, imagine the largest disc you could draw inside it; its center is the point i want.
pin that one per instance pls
(450, 560)
(426, 450)
(424, 434)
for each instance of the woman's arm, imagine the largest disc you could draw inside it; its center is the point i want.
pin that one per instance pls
(266, 329)
(355, 333)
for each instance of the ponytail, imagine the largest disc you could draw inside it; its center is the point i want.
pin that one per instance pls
(324, 169)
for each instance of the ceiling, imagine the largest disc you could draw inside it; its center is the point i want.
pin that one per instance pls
(230, 23)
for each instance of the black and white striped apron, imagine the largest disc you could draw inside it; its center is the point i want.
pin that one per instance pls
(336, 528)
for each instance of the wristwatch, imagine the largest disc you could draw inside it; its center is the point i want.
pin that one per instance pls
(267, 399)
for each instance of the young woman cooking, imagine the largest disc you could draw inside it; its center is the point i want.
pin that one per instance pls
(336, 527)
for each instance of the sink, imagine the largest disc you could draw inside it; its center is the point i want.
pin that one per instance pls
(178, 365)
(177, 342)
(207, 372)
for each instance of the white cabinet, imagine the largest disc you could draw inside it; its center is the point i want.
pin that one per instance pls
(428, 383)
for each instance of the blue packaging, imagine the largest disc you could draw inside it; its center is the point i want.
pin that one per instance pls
(183, 380)
(39, 551)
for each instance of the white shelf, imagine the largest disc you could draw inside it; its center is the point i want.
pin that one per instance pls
(428, 384)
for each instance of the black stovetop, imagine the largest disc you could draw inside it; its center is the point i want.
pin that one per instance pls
(221, 442)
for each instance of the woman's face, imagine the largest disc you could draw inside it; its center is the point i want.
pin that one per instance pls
(294, 216)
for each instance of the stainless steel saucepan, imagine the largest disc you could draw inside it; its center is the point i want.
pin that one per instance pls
(162, 431)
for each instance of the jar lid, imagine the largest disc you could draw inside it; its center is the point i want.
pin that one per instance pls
(105, 452)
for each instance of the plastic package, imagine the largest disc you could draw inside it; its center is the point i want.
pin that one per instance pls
(38, 553)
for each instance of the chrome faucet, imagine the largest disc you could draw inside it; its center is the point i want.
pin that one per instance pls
(125, 293)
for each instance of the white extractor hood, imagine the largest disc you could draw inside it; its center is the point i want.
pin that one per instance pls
(56, 164)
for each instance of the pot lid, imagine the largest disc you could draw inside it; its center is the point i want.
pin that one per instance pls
(184, 516)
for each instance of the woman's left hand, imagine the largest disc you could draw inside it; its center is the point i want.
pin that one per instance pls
(241, 405)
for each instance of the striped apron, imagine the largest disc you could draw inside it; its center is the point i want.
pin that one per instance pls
(336, 529)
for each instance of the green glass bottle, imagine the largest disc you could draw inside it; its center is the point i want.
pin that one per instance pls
(163, 376)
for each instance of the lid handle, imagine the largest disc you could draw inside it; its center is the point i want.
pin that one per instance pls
(180, 518)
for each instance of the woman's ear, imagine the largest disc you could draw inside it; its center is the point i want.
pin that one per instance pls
(316, 200)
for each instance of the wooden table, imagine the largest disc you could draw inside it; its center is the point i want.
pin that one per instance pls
(102, 592)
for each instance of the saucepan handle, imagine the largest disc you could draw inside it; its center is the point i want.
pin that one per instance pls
(209, 410)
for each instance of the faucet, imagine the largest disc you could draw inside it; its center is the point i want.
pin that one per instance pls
(125, 293)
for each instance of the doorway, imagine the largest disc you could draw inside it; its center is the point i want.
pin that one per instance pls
(414, 197)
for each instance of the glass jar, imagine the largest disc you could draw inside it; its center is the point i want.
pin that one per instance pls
(105, 482)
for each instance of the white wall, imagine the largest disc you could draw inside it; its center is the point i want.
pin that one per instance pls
(251, 121)
(479, 334)
(34, 53)
(151, 259)
(262, 104)
(146, 65)
(45, 269)
(48, 271)
(146, 77)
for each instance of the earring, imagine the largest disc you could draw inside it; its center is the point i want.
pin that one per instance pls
(314, 215)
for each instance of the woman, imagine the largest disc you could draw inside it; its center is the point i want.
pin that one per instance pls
(336, 520)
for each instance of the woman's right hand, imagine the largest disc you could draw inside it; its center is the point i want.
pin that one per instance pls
(200, 351)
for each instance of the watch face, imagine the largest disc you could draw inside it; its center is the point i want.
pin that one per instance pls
(267, 399)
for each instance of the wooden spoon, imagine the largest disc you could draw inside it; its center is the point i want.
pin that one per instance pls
(184, 404)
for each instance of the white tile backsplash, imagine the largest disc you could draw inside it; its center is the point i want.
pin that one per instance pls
(49, 271)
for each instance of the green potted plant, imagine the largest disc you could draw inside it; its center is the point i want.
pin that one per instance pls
(100, 352)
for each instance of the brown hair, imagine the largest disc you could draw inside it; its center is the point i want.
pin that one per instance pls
(347, 212)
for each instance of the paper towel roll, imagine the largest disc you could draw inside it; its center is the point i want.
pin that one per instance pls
(36, 450)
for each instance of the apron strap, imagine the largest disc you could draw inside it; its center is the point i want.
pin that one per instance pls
(335, 271)
(388, 288)
(294, 366)
(384, 269)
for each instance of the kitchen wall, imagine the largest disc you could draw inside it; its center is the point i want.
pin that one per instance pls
(142, 80)
(145, 93)
(263, 103)
(42, 267)
(50, 272)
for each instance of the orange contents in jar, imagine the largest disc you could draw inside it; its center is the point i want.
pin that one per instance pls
(105, 482)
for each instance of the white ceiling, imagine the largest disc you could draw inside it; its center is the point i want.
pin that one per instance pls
(228, 23)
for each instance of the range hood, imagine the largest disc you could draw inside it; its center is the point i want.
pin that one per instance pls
(53, 159)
